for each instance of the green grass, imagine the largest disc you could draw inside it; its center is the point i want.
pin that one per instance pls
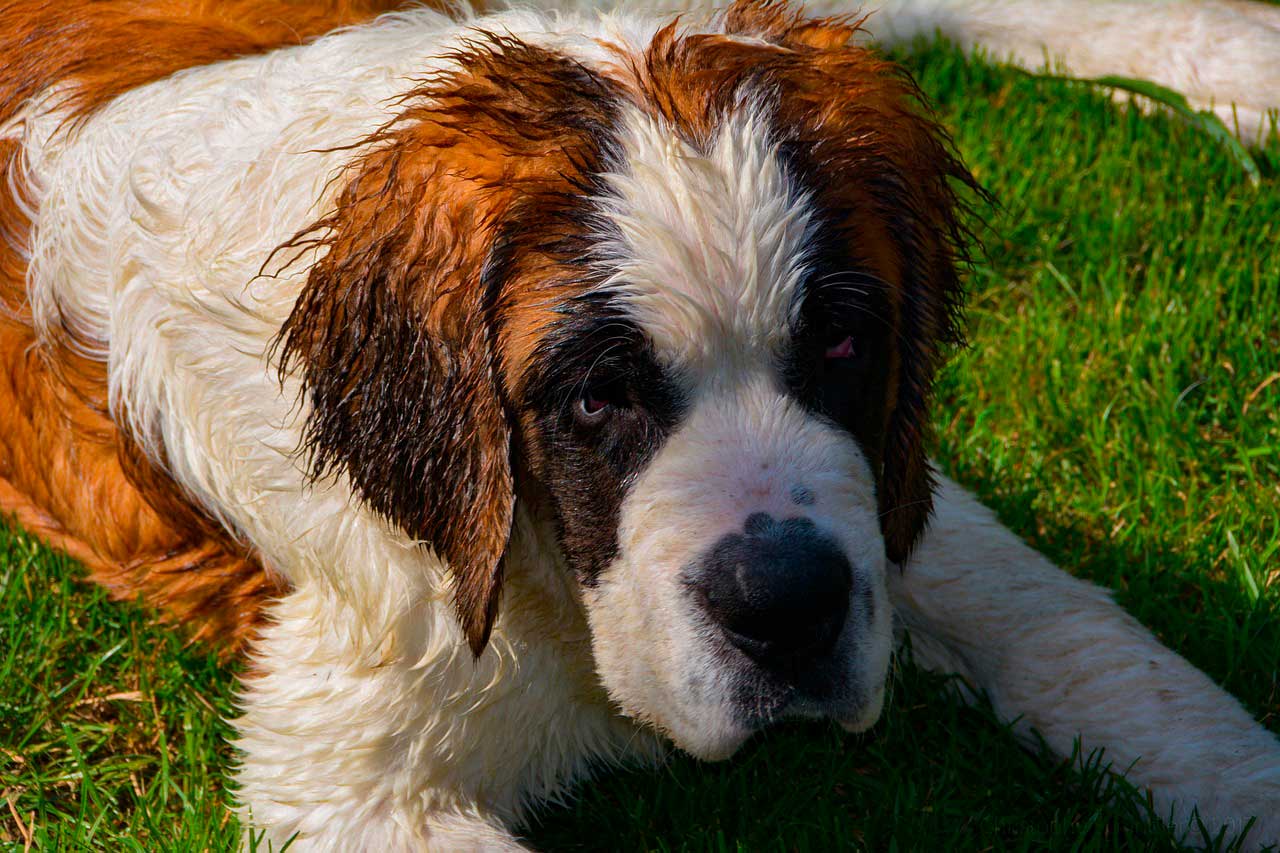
(1113, 407)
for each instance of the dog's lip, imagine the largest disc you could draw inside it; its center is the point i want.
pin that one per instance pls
(855, 710)
(856, 719)
(867, 713)
(855, 713)
(718, 747)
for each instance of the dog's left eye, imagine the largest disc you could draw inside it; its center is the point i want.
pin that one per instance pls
(840, 350)
(591, 407)
(598, 401)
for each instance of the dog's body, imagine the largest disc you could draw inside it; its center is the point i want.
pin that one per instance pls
(182, 235)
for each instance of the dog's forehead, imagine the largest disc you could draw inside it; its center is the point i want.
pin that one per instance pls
(705, 244)
(695, 215)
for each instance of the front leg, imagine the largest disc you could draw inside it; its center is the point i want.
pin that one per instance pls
(381, 732)
(1057, 655)
(350, 744)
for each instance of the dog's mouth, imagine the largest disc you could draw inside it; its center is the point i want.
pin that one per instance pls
(865, 716)
(756, 702)
(786, 616)
(826, 685)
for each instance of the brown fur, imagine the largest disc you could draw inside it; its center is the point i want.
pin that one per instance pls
(67, 473)
(62, 477)
(111, 46)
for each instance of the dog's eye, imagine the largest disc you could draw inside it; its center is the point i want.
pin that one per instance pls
(840, 349)
(597, 402)
(592, 408)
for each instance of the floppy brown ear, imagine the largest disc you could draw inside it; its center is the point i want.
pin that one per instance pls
(915, 197)
(925, 324)
(918, 198)
(394, 332)
(390, 339)
(918, 201)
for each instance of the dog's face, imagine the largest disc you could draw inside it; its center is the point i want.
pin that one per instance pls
(693, 298)
(708, 421)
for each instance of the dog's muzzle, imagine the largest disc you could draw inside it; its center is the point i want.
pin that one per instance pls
(779, 592)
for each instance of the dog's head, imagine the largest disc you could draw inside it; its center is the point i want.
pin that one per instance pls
(690, 295)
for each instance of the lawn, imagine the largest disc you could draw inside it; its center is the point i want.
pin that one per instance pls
(1119, 405)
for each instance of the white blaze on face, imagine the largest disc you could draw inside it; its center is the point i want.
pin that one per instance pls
(708, 259)
(710, 247)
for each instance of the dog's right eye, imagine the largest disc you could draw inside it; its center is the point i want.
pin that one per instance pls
(841, 350)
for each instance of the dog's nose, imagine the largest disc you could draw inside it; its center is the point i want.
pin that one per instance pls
(779, 590)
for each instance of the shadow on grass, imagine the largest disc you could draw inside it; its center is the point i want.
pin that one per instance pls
(935, 774)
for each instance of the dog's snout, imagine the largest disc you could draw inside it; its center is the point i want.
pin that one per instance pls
(779, 590)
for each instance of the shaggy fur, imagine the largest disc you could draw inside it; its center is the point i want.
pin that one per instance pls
(472, 349)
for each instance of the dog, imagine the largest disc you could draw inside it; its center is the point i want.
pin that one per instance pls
(525, 390)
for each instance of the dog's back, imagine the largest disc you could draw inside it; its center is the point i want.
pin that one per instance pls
(66, 471)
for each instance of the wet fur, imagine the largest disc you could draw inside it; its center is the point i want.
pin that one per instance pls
(277, 418)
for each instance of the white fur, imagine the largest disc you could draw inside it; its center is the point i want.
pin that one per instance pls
(711, 247)
(370, 727)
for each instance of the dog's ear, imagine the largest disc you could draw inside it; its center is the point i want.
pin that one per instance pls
(394, 332)
(917, 197)
(907, 180)
(394, 350)
(926, 325)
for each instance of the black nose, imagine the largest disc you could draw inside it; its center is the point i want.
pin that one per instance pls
(779, 590)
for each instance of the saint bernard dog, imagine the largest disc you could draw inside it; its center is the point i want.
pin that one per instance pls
(524, 390)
